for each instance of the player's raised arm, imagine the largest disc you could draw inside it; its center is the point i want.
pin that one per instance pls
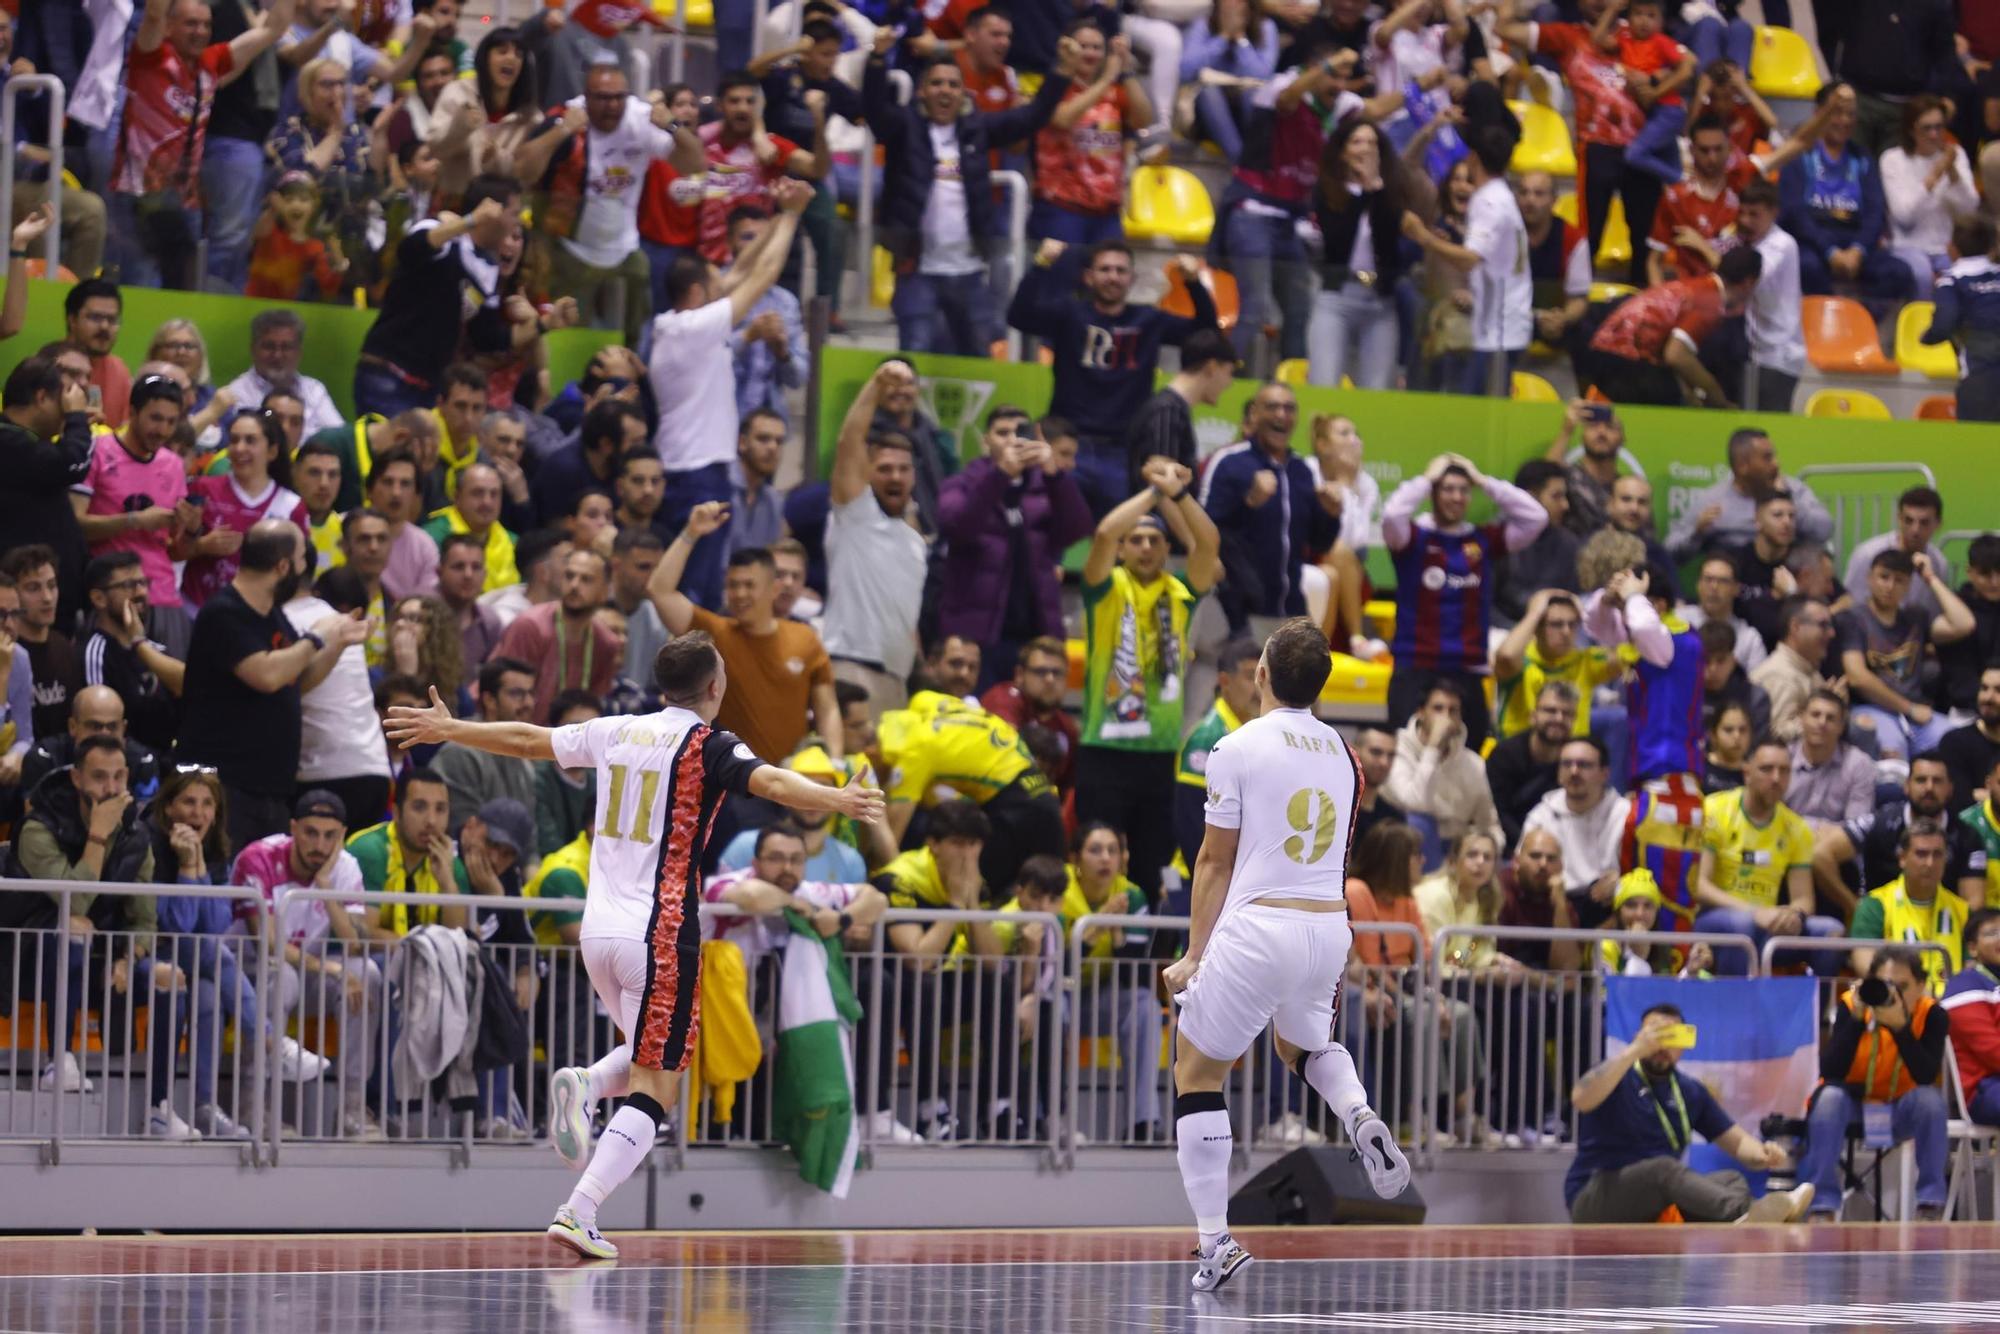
(434, 725)
(804, 794)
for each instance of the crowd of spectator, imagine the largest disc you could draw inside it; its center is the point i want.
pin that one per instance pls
(203, 587)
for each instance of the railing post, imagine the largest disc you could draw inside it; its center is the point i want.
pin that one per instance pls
(677, 60)
(9, 96)
(1017, 244)
(1073, 1044)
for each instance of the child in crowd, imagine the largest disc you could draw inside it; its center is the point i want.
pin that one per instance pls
(1655, 68)
(288, 262)
(1636, 906)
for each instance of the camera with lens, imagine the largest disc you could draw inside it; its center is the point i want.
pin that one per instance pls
(1874, 992)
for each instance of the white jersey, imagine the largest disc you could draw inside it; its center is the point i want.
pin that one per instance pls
(661, 778)
(1289, 783)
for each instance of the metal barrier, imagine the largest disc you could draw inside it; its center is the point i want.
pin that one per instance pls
(1511, 1041)
(1843, 945)
(1016, 186)
(10, 95)
(1857, 518)
(1119, 1007)
(864, 203)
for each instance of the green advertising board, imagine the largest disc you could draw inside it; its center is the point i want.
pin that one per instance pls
(332, 338)
(1857, 467)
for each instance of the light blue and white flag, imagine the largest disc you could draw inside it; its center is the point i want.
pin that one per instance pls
(1756, 1038)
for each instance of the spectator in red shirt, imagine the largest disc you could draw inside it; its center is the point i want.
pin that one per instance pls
(670, 203)
(92, 312)
(1080, 155)
(1656, 67)
(1650, 346)
(171, 77)
(1695, 213)
(745, 161)
(1035, 695)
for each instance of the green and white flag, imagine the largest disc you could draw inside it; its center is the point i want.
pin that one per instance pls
(814, 1102)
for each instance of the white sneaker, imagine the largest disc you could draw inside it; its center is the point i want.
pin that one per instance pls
(569, 1116)
(296, 1064)
(1367, 649)
(499, 1130)
(364, 1128)
(1219, 1265)
(581, 1237)
(72, 1076)
(214, 1123)
(1290, 1131)
(166, 1123)
(884, 1125)
(1375, 1146)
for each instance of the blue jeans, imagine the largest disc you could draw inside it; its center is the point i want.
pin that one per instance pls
(1478, 369)
(220, 988)
(1656, 150)
(1712, 37)
(154, 249)
(1612, 726)
(1270, 265)
(232, 186)
(948, 313)
(1918, 1115)
(1899, 737)
(1883, 276)
(378, 389)
(1052, 222)
(1215, 118)
(702, 581)
(1984, 1105)
(1729, 962)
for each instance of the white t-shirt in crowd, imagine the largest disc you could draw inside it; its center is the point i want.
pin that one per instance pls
(641, 764)
(948, 248)
(608, 231)
(875, 567)
(266, 866)
(1288, 783)
(1503, 290)
(693, 371)
(338, 737)
(1777, 339)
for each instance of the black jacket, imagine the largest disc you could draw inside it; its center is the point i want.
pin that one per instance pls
(910, 167)
(58, 810)
(35, 480)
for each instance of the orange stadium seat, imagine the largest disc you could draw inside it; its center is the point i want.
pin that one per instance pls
(1221, 290)
(1841, 337)
(1938, 408)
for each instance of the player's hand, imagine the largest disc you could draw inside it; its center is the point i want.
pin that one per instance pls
(864, 805)
(1179, 973)
(426, 726)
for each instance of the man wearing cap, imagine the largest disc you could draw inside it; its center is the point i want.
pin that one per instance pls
(506, 695)
(326, 966)
(838, 851)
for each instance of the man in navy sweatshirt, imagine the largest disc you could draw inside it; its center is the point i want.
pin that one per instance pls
(1968, 314)
(1830, 199)
(1106, 351)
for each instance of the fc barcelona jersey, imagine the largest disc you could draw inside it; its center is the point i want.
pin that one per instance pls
(1444, 597)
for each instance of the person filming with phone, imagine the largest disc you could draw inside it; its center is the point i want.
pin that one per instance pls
(1879, 1069)
(1639, 1112)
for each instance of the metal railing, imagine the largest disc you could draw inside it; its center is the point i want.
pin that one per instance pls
(1016, 186)
(864, 203)
(10, 96)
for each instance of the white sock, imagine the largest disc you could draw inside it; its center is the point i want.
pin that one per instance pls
(1331, 1073)
(1203, 1142)
(610, 1077)
(620, 1149)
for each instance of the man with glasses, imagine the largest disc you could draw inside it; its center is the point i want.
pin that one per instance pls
(1035, 695)
(92, 311)
(98, 711)
(1587, 820)
(1715, 592)
(277, 344)
(135, 499)
(1523, 767)
(475, 777)
(117, 652)
(45, 449)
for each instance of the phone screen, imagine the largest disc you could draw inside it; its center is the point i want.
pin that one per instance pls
(94, 395)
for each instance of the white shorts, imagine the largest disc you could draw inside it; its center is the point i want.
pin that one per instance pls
(1264, 964)
(655, 998)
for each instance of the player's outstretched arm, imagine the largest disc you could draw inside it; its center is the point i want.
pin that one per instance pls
(434, 725)
(803, 794)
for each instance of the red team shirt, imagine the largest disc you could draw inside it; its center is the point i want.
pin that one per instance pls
(163, 98)
(1654, 56)
(1605, 110)
(1684, 205)
(1639, 329)
(1083, 168)
(735, 178)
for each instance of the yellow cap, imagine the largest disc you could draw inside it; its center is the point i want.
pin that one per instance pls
(814, 762)
(1637, 884)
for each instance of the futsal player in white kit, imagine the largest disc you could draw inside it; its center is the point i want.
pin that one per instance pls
(1270, 937)
(661, 778)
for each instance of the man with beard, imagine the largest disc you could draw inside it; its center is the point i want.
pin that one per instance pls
(1236, 700)
(1522, 769)
(1969, 752)
(98, 712)
(1587, 819)
(1638, 1111)
(475, 777)
(1375, 750)
(1715, 591)
(563, 641)
(246, 669)
(93, 310)
(1632, 512)
(1035, 695)
(1928, 794)
(1599, 438)
(778, 877)
(476, 513)
(46, 441)
(1542, 648)
(135, 499)
(952, 667)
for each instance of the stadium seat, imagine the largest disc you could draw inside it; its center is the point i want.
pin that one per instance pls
(1782, 65)
(1530, 388)
(1938, 408)
(1937, 360)
(1841, 337)
(1853, 404)
(1614, 249)
(39, 268)
(694, 13)
(1028, 82)
(1565, 208)
(1611, 291)
(1291, 371)
(1221, 289)
(1545, 143)
(1168, 204)
(882, 287)
(1356, 684)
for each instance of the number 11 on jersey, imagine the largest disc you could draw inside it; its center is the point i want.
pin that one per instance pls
(614, 805)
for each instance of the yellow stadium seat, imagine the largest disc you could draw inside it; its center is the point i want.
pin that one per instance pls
(1356, 683)
(1381, 614)
(1168, 204)
(1614, 250)
(1028, 82)
(1938, 408)
(1853, 404)
(1782, 65)
(1566, 208)
(693, 13)
(1291, 371)
(1529, 388)
(1841, 337)
(1937, 360)
(882, 288)
(1545, 143)
(1611, 291)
